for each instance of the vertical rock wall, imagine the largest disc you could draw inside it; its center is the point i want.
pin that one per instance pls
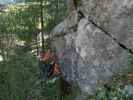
(87, 54)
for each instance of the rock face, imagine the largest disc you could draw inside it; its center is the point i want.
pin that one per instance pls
(87, 54)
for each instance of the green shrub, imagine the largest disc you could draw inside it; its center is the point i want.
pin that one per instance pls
(119, 88)
(52, 89)
(17, 76)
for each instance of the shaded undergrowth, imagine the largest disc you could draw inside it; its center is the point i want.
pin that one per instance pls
(119, 88)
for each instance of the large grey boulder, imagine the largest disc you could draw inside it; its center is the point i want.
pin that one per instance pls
(88, 55)
(115, 16)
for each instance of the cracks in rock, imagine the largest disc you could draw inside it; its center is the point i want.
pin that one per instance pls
(80, 15)
(115, 39)
(107, 33)
(57, 36)
(74, 28)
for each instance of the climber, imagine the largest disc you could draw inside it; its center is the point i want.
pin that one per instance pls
(44, 63)
(54, 70)
(50, 64)
(45, 56)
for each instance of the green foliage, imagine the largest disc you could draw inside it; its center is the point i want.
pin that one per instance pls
(119, 87)
(130, 62)
(18, 76)
(19, 70)
(57, 9)
(23, 19)
(113, 90)
(52, 90)
(18, 20)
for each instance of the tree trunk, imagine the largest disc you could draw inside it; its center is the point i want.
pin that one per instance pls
(42, 24)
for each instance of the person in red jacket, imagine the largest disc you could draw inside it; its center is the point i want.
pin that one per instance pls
(53, 69)
(50, 60)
